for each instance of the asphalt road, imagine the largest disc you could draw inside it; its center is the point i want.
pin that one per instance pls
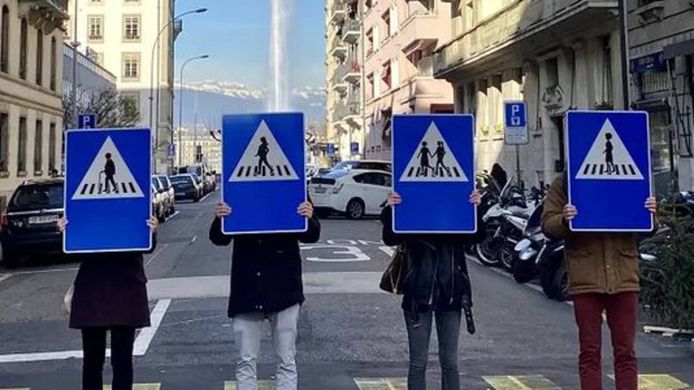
(351, 335)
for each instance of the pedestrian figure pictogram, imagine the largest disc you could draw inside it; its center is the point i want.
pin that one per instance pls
(608, 158)
(108, 177)
(263, 160)
(446, 166)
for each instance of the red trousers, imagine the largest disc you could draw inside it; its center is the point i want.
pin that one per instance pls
(621, 311)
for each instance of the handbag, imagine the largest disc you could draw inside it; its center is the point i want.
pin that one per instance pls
(393, 278)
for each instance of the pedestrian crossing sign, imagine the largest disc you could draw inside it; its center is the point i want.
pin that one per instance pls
(609, 168)
(433, 163)
(107, 190)
(264, 174)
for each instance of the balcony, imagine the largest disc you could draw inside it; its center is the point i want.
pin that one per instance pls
(351, 31)
(425, 67)
(354, 116)
(338, 48)
(338, 82)
(353, 74)
(46, 15)
(650, 11)
(338, 11)
(524, 27)
(421, 29)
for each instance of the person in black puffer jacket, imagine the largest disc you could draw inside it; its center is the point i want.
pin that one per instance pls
(266, 284)
(437, 286)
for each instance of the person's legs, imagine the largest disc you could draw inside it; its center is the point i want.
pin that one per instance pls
(418, 335)
(622, 310)
(94, 349)
(284, 331)
(122, 341)
(247, 331)
(448, 333)
(588, 309)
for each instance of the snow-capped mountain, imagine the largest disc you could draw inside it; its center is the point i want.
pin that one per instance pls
(217, 98)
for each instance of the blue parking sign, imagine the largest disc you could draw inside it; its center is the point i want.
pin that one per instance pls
(516, 123)
(87, 121)
(609, 168)
(264, 173)
(108, 196)
(434, 172)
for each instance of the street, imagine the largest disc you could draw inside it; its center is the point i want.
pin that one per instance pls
(351, 336)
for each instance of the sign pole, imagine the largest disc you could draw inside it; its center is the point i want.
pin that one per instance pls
(518, 164)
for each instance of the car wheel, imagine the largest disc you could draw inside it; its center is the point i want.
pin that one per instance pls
(489, 251)
(355, 209)
(561, 284)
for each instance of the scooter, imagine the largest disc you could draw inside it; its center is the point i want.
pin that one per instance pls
(529, 249)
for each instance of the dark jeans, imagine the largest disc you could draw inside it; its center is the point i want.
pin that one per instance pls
(621, 311)
(94, 347)
(419, 334)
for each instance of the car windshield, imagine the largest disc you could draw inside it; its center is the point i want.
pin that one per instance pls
(164, 182)
(155, 183)
(180, 180)
(36, 197)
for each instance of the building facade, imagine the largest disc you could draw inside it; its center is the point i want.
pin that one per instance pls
(345, 53)
(92, 77)
(31, 111)
(124, 37)
(400, 40)
(661, 38)
(202, 148)
(556, 55)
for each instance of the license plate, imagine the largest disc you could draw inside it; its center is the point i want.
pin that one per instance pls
(43, 219)
(320, 190)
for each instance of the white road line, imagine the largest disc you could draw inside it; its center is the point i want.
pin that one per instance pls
(173, 215)
(195, 237)
(205, 197)
(144, 339)
(387, 250)
(45, 271)
(4, 277)
(156, 254)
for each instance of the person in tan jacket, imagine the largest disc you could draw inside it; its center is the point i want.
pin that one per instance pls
(603, 273)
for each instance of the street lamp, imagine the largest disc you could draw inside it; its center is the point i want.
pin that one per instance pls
(180, 103)
(151, 74)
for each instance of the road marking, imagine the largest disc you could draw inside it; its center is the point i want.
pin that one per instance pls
(4, 277)
(142, 342)
(356, 253)
(524, 382)
(141, 386)
(144, 339)
(205, 197)
(387, 250)
(45, 271)
(381, 383)
(173, 215)
(262, 385)
(156, 254)
(659, 382)
(17, 388)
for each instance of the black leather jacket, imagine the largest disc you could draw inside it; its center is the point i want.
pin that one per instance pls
(437, 275)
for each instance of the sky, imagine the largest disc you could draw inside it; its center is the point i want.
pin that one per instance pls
(235, 33)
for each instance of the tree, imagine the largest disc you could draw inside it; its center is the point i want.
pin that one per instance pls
(112, 109)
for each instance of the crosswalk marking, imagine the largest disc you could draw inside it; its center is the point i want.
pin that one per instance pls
(521, 382)
(659, 382)
(262, 385)
(142, 386)
(381, 383)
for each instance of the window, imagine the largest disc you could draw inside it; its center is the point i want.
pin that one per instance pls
(39, 57)
(96, 28)
(131, 98)
(386, 19)
(38, 147)
(51, 148)
(4, 140)
(374, 179)
(5, 39)
(131, 27)
(54, 63)
(131, 66)
(23, 38)
(99, 58)
(395, 72)
(386, 76)
(22, 147)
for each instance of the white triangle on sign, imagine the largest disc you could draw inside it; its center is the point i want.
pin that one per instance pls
(608, 158)
(433, 161)
(263, 160)
(118, 184)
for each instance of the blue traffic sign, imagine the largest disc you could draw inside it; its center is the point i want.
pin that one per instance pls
(330, 150)
(171, 150)
(434, 172)
(609, 168)
(107, 190)
(87, 121)
(516, 122)
(263, 172)
(354, 147)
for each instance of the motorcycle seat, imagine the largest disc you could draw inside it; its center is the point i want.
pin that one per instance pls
(521, 213)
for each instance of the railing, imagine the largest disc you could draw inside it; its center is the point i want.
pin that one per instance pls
(340, 72)
(340, 112)
(338, 6)
(337, 42)
(351, 26)
(425, 67)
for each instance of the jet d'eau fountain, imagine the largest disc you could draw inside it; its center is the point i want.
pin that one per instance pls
(279, 67)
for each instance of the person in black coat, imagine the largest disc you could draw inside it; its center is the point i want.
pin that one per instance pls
(266, 284)
(110, 295)
(437, 286)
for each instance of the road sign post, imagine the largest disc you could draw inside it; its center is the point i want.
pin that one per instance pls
(434, 172)
(107, 190)
(609, 168)
(516, 129)
(87, 121)
(264, 173)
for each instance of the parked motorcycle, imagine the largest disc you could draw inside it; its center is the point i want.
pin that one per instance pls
(530, 248)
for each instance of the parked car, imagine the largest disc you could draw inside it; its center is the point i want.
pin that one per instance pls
(158, 203)
(354, 193)
(162, 197)
(200, 184)
(185, 187)
(374, 165)
(29, 223)
(209, 181)
(168, 191)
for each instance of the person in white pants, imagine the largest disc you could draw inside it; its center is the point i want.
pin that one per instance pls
(266, 286)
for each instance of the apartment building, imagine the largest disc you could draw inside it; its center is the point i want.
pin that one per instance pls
(92, 78)
(556, 55)
(400, 40)
(124, 35)
(345, 127)
(203, 145)
(31, 112)
(661, 37)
